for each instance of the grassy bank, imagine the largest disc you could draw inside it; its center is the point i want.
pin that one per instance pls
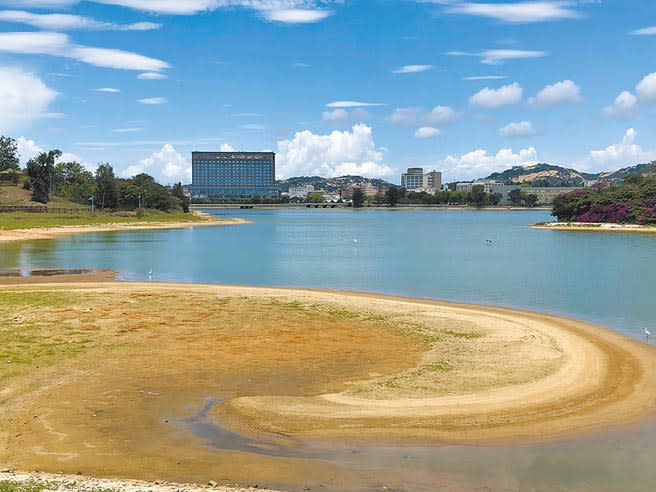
(26, 220)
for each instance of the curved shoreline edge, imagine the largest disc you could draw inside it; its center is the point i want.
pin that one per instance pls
(43, 233)
(594, 227)
(605, 379)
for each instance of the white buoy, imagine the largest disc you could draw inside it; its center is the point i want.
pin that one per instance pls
(355, 241)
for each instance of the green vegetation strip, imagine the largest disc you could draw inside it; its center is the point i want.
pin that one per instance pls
(27, 220)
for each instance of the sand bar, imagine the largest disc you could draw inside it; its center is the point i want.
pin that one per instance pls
(292, 366)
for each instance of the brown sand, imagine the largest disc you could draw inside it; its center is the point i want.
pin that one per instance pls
(111, 367)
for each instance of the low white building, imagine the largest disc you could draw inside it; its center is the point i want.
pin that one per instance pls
(300, 191)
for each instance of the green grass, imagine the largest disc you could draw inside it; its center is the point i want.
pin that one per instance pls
(9, 486)
(26, 220)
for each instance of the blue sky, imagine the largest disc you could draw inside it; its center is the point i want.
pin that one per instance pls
(334, 87)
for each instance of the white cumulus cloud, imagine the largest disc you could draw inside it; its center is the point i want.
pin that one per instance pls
(506, 95)
(519, 129)
(426, 132)
(439, 115)
(561, 92)
(23, 98)
(645, 31)
(479, 163)
(625, 106)
(625, 153)
(167, 166)
(646, 88)
(335, 154)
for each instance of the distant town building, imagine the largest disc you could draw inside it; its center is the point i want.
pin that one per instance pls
(233, 176)
(300, 191)
(367, 188)
(415, 180)
(545, 194)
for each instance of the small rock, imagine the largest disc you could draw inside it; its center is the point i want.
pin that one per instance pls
(212, 483)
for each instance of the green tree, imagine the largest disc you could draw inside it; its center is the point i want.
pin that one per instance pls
(531, 200)
(495, 198)
(41, 172)
(392, 196)
(358, 198)
(515, 197)
(107, 196)
(73, 182)
(8, 154)
(478, 197)
(315, 197)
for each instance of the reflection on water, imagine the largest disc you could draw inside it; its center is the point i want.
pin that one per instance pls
(604, 278)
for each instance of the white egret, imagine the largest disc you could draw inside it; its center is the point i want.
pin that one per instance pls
(647, 333)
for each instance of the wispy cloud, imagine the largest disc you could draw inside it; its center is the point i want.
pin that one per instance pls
(351, 104)
(517, 12)
(153, 101)
(151, 76)
(110, 90)
(58, 44)
(645, 31)
(499, 56)
(65, 22)
(486, 77)
(127, 130)
(413, 68)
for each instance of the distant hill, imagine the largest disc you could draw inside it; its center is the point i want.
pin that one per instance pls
(543, 175)
(550, 175)
(649, 168)
(330, 184)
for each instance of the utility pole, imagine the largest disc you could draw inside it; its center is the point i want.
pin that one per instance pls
(92, 199)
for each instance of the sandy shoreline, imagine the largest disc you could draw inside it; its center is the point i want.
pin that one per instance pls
(55, 232)
(595, 227)
(78, 483)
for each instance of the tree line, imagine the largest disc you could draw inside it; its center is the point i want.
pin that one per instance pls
(631, 202)
(70, 180)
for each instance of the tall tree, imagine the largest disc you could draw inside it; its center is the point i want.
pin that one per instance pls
(392, 196)
(41, 172)
(106, 187)
(358, 197)
(8, 154)
(73, 182)
(478, 196)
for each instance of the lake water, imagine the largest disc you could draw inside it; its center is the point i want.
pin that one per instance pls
(478, 257)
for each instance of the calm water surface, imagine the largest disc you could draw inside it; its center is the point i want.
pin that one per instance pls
(604, 278)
